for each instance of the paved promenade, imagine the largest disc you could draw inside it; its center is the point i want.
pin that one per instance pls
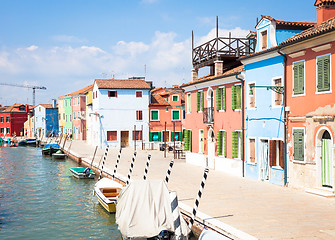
(246, 208)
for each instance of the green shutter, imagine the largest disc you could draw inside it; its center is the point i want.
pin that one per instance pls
(172, 136)
(198, 101)
(235, 144)
(241, 145)
(159, 136)
(190, 140)
(154, 115)
(179, 136)
(189, 103)
(218, 99)
(323, 73)
(233, 96)
(238, 97)
(298, 78)
(150, 136)
(186, 140)
(219, 143)
(298, 144)
(225, 144)
(175, 115)
(223, 94)
(201, 101)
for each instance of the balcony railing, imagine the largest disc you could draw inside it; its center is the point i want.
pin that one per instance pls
(208, 115)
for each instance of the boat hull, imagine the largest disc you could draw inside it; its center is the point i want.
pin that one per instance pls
(79, 173)
(58, 155)
(107, 191)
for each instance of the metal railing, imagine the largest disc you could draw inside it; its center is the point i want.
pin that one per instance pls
(208, 115)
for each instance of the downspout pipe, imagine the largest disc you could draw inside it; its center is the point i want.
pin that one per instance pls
(285, 118)
(243, 113)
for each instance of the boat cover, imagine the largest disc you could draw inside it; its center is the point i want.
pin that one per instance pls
(143, 209)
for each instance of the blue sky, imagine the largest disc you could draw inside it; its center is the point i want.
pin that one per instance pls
(64, 45)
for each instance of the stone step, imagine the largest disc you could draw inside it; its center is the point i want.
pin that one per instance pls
(321, 191)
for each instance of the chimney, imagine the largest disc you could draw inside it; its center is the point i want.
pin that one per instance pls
(218, 65)
(325, 10)
(54, 103)
(194, 75)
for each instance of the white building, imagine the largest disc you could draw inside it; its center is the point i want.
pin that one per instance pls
(119, 107)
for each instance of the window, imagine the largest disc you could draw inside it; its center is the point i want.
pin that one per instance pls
(1, 119)
(298, 144)
(74, 115)
(112, 93)
(200, 101)
(78, 100)
(111, 135)
(276, 153)
(237, 144)
(78, 115)
(167, 109)
(154, 136)
(93, 95)
(64, 116)
(64, 103)
(323, 74)
(188, 102)
(236, 97)
(96, 94)
(278, 98)
(137, 135)
(79, 129)
(1, 130)
(252, 97)
(221, 143)
(221, 99)
(74, 130)
(201, 141)
(175, 115)
(70, 101)
(138, 93)
(59, 116)
(187, 140)
(167, 98)
(154, 115)
(7, 130)
(139, 115)
(252, 150)
(264, 40)
(70, 118)
(176, 136)
(175, 98)
(7, 119)
(39, 109)
(298, 78)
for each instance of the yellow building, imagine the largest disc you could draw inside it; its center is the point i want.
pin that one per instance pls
(89, 107)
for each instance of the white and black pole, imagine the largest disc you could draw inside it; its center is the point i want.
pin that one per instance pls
(117, 162)
(146, 167)
(169, 172)
(196, 204)
(131, 168)
(103, 162)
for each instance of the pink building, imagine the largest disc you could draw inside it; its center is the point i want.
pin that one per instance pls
(79, 113)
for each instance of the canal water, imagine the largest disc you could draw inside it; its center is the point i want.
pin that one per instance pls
(40, 199)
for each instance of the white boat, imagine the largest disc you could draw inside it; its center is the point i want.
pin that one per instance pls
(107, 192)
(59, 155)
(82, 172)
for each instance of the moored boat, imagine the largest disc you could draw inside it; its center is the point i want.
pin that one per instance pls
(59, 155)
(31, 141)
(49, 149)
(107, 192)
(22, 142)
(82, 172)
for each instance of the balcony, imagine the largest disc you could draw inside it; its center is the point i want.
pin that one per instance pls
(208, 115)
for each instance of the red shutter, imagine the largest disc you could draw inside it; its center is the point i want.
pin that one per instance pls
(139, 135)
(272, 152)
(281, 154)
(115, 93)
(140, 115)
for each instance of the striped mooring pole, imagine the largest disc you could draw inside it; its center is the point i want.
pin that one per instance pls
(117, 162)
(103, 162)
(146, 167)
(176, 215)
(169, 172)
(196, 204)
(131, 168)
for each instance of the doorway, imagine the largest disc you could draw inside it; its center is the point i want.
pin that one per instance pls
(326, 160)
(211, 148)
(124, 138)
(264, 159)
(166, 136)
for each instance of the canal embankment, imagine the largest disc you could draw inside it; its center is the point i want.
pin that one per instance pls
(236, 207)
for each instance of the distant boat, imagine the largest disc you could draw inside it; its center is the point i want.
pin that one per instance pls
(31, 141)
(82, 172)
(49, 149)
(59, 155)
(107, 192)
(22, 142)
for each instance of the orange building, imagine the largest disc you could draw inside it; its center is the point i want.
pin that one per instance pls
(166, 112)
(310, 97)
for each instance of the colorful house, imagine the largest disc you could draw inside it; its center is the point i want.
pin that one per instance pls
(89, 111)
(67, 104)
(310, 94)
(29, 125)
(166, 114)
(264, 110)
(120, 112)
(213, 132)
(46, 120)
(12, 120)
(79, 112)
(61, 114)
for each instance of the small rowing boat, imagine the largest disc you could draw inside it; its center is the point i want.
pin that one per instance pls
(107, 192)
(82, 172)
(59, 155)
(49, 149)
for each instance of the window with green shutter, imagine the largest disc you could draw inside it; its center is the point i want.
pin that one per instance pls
(154, 115)
(218, 99)
(155, 136)
(176, 136)
(224, 144)
(323, 74)
(201, 142)
(200, 101)
(223, 96)
(189, 102)
(187, 140)
(219, 143)
(236, 97)
(298, 78)
(175, 98)
(233, 96)
(221, 99)
(298, 144)
(175, 115)
(235, 144)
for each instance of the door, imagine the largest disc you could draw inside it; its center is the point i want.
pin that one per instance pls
(326, 160)
(166, 136)
(124, 138)
(211, 149)
(264, 159)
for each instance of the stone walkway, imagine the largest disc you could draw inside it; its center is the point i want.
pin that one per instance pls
(245, 208)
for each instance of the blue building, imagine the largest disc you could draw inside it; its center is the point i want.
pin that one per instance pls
(46, 119)
(264, 101)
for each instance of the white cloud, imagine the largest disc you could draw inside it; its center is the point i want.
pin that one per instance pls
(32, 48)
